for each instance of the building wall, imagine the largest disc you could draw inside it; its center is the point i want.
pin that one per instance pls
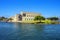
(29, 16)
(25, 16)
(16, 18)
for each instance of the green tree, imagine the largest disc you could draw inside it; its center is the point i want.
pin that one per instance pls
(2, 18)
(39, 18)
(53, 18)
(10, 19)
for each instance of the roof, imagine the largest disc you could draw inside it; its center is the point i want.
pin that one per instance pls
(30, 13)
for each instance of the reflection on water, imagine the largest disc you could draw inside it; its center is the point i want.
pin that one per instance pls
(18, 31)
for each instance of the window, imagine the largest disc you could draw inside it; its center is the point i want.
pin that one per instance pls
(24, 14)
(29, 19)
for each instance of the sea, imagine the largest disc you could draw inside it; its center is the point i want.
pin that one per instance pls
(21, 31)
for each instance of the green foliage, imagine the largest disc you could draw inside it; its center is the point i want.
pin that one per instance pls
(10, 19)
(53, 18)
(5, 19)
(2, 18)
(39, 18)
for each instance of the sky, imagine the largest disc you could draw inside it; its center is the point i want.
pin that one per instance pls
(47, 8)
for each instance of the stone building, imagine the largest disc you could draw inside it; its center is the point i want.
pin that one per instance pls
(24, 16)
(28, 16)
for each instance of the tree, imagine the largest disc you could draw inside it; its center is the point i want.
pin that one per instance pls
(2, 18)
(39, 18)
(10, 19)
(53, 18)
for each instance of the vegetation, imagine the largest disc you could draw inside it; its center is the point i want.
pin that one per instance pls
(48, 20)
(2, 18)
(53, 18)
(10, 19)
(5, 19)
(39, 18)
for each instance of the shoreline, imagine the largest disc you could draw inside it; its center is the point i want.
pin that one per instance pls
(30, 23)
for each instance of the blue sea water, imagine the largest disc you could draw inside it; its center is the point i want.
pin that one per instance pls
(18, 31)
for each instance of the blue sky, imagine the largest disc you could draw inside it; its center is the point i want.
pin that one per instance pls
(47, 8)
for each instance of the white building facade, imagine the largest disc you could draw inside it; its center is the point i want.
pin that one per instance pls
(29, 16)
(25, 16)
